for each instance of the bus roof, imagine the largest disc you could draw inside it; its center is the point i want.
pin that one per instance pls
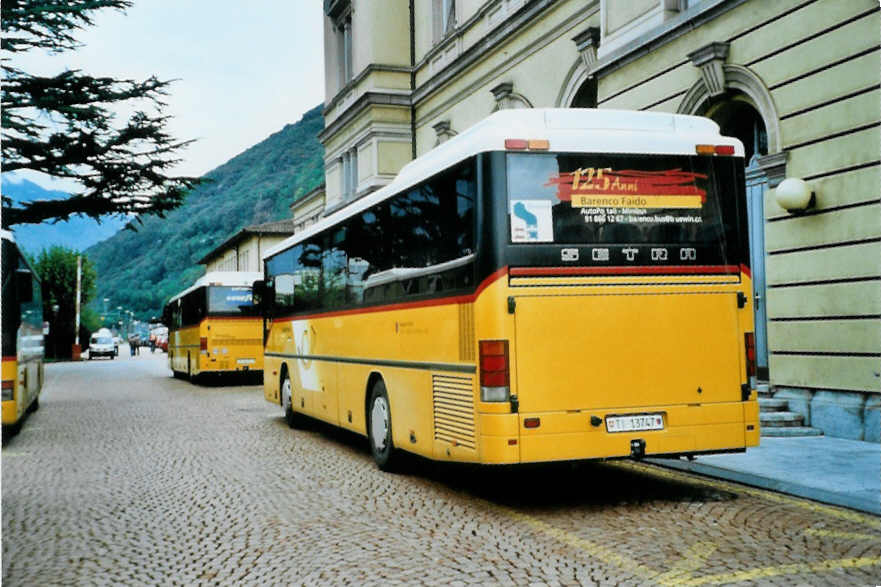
(574, 130)
(233, 278)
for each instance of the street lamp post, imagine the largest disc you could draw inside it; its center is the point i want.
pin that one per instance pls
(55, 308)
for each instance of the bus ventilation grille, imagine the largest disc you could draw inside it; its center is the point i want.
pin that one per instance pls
(454, 410)
(466, 332)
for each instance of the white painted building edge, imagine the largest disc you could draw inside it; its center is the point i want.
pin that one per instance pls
(576, 130)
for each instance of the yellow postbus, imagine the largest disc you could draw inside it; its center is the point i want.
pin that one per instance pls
(213, 327)
(22, 336)
(548, 285)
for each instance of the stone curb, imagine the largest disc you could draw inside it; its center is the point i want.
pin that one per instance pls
(777, 485)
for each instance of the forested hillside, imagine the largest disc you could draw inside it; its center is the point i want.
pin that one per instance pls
(141, 270)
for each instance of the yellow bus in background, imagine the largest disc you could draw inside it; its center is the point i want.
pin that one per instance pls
(213, 327)
(22, 325)
(548, 285)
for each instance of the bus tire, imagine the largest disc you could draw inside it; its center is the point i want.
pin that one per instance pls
(35, 405)
(293, 419)
(379, 429)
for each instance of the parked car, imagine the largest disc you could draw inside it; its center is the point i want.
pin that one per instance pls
(102, 345)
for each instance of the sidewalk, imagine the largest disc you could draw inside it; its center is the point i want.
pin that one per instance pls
(829, 470)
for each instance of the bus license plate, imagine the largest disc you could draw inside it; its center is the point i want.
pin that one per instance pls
(634, 423)
(246, 361)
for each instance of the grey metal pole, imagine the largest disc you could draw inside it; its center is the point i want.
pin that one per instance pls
(79, 271)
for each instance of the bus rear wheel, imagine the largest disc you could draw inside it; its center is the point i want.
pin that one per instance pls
(293, 419)
(379, 429)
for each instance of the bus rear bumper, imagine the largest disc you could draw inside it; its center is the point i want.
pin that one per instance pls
(581, 435)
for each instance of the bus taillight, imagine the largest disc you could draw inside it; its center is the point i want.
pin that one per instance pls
(750, 341)
(714, 149)
(531, 144)
(203, 344)
(8, 387)
(494, 372)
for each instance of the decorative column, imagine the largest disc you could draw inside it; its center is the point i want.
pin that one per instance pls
(506, 98)
(443, 131)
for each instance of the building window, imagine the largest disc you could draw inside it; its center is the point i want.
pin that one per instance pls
(344, 47)
(349, 174)
(244, 260)
(443, 18)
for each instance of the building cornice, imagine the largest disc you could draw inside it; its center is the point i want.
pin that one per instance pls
(364, 102)
(372, 68)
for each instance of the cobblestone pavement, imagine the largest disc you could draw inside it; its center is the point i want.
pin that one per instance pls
(127, 476)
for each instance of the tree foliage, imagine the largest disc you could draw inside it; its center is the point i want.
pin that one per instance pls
(65, 126)
(56, 267)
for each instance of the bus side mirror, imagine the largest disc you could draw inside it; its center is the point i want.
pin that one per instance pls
(24, 286)
(262, 295)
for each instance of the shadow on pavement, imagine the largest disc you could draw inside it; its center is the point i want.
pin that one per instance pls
(542, 486)
(228, 379)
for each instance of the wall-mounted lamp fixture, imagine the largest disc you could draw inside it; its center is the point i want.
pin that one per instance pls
(794, 195)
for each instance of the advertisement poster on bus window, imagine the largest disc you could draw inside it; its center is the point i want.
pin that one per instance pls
(632, 196)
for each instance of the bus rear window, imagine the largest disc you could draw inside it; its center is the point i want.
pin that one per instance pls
(581, 199)
(230, 300)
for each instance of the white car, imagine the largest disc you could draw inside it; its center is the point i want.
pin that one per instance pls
(102, 345)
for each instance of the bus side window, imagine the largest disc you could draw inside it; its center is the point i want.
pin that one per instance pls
(284, 290)
(334, 272)
(356, 271)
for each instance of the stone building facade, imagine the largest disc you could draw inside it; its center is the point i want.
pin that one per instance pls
(796, 80)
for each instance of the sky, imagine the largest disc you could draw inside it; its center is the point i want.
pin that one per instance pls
(245, 68)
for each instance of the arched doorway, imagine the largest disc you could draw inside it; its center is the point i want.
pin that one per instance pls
(586, 96)
(737, 117)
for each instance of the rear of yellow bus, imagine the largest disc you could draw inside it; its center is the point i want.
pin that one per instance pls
(231, 337)
(215, 330)
(616, 318)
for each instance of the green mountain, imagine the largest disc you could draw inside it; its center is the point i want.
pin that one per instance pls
(139, 270)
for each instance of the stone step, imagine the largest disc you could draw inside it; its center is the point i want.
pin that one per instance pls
(784, 432)
(773, 405)
(776, 419)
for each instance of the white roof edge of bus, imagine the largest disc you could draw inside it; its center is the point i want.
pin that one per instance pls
(222, 278)
(611, 131)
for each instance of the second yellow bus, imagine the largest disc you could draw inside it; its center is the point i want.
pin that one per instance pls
(213, 327)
